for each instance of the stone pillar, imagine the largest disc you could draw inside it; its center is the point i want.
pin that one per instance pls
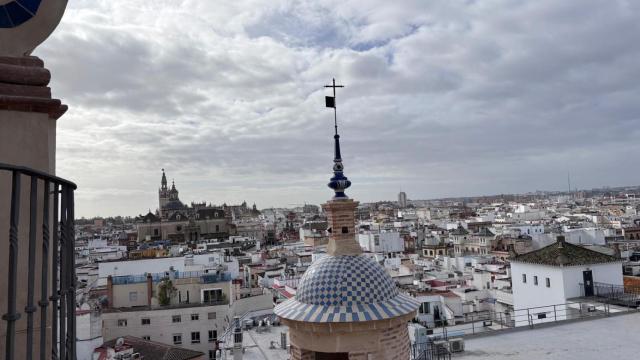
(110, 291)
(28, 117)
(149, 289)
(341, 217)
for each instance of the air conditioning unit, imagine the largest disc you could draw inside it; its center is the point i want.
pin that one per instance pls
(441, 346)
(456, 345)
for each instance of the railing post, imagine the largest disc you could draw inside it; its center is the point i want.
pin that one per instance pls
(71, 302)
(55, 293)
(44, 303)
(12, 316)
(555, 315)
(63, 275)
(473, 325)
(31, 266)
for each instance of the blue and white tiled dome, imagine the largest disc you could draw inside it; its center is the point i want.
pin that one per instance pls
(346, 289)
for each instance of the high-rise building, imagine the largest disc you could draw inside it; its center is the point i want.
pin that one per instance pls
(346, 305)
(402, 199)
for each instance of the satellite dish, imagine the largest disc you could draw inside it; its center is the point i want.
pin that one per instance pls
(25, 24)
(120, 341)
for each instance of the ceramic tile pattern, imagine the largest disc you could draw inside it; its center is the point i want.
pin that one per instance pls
(346, 289)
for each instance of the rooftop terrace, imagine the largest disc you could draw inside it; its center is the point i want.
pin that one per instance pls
(611, 337)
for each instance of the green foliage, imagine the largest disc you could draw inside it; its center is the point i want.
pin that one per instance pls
(165, 292)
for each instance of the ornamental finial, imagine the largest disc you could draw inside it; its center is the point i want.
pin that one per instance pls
(339, 183)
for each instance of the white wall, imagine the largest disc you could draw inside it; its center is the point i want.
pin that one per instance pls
(529, 295)
(610, 273)
(159, 265)
(564, 286)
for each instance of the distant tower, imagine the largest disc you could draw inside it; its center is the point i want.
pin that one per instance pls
(163, 192)
(173, 193)
(402, 199)
(346, 305)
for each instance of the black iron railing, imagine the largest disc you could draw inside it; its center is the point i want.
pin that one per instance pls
(49, 242)
(622, 295)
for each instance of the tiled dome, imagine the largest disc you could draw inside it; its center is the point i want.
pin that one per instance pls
(346, 289)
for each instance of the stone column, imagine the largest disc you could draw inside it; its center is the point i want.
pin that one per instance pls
(28, 117)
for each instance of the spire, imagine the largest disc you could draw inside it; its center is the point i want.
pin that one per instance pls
(163, 183)
(339, 183)
(173, 185)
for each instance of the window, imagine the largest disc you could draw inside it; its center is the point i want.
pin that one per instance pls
(211, 316)
(217, 228)
(146, 337)
(212, 355)
(211, 295)
(213, 335)
(548, 282)
(155, 232)
(133, 296)
(145, 321)
(177, 339)
(535, 280)
(122, 322)
(195, 337)
(424, 308)
(179, 228)
(376, 240)
(176, 318)
(345, 230)
(524, 278)
(195, 317)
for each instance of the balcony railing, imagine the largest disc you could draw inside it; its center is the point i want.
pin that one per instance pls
(47, 236)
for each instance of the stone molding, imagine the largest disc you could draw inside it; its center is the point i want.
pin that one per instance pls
(23, 87)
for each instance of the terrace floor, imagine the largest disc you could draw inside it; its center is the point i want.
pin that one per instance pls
(611, 337)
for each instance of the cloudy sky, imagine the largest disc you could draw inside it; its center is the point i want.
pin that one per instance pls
(442, 98)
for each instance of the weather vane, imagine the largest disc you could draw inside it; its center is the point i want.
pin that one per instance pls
(339, 183)
(331, 102)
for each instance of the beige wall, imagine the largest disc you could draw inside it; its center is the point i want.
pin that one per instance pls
(378, 340)
(162, 328)
(121, 295)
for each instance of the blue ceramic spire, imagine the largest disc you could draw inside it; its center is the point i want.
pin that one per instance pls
(339, 183)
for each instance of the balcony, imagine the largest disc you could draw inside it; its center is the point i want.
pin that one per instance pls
(40, 274)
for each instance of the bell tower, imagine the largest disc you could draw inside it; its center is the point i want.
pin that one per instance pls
(163, 192)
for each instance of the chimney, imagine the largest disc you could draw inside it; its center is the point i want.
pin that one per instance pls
(616, 251)
(512, 251)
(149, 289)
(561, 241)
(110, 290)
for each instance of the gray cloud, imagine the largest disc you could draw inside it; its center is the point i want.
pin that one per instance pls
(443, 98)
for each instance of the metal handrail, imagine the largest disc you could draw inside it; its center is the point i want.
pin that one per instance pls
(54, 200)
(38, 174)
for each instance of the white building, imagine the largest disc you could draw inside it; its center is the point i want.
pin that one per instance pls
(556, 274)
(384, 242)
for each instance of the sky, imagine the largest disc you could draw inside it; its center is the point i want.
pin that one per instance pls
(441, 98)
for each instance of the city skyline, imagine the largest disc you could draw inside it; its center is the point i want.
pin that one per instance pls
(441, 99)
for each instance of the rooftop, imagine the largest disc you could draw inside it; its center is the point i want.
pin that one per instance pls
(151, 349)
(566, 254)
(584, 340)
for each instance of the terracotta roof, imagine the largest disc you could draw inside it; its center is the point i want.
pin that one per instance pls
(562, 253)
(155, 350)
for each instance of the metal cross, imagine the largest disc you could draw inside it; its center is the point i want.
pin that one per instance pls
(335, 113)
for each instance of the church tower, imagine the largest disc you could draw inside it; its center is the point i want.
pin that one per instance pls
(346, 306)
(163, 192)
